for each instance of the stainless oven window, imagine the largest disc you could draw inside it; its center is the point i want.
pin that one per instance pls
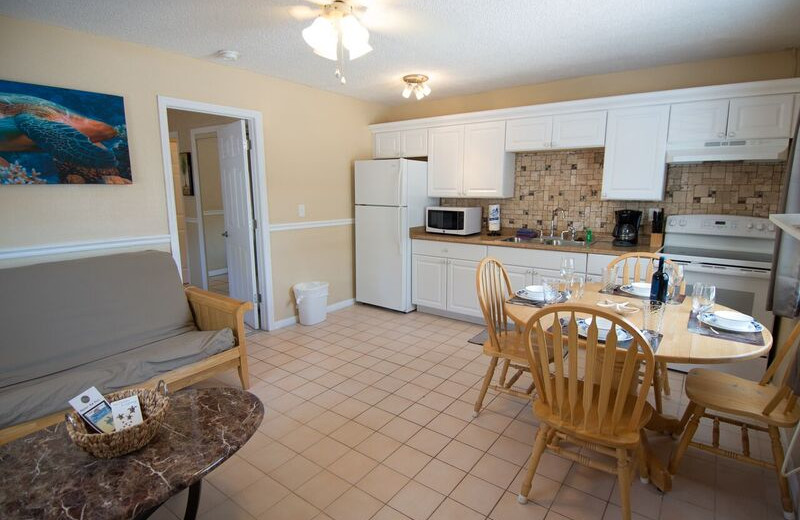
(446, 220)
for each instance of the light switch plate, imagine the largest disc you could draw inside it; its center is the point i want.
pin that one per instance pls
(301, 210)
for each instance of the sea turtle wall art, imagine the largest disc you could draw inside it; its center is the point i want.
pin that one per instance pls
(51, 135)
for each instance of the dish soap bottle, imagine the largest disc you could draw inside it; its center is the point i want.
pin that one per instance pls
(659, 283)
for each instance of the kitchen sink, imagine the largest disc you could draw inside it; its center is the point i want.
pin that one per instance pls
(548, 241)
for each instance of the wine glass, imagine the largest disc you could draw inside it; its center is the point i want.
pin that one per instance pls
(703, 296)
(567, 267)
(675, 282)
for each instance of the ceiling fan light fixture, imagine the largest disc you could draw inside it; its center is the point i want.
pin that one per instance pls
(335, 30)
(416, 83)
(321, 36)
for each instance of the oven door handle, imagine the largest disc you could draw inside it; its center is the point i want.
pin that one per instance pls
(746, 272)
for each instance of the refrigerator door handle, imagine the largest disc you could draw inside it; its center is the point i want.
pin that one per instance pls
(399, 231)
(400, 187)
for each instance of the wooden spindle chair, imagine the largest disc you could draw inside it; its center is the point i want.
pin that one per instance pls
(505, 342)
(594, 396)
(760, 406)
(629, 275)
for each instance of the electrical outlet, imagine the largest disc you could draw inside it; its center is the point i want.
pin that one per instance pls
(301, 210)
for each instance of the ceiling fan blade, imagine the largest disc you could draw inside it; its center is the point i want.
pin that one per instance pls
(303, 12)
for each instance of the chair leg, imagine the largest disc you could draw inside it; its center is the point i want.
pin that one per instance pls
(686, 438)
(539, 446)
(662, 368)
(687, 414)
(244, 374)
(657, 389)
(641, 461)
(777, 454)
(487, 379)
(504, 372)
(624, 478)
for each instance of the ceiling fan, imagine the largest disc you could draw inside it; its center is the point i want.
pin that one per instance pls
(339, 26)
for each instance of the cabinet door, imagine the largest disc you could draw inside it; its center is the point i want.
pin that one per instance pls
(528, 134)
(760, 117)
(698, 121)
(488, 168)
(462, 292)
(387, 145)
(415, 143)
(582, 130)
(635, 160)
(520, 276)
(429, 276)
(446, 161)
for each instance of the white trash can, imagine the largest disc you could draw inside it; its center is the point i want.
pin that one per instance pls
(312, 301)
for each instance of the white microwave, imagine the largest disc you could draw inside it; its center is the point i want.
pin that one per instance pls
(453, 221)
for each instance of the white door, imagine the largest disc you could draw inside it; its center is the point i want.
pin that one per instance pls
(519, 276)
(382, 257)
(760, 117)
(528, 134)
(462, 291)
(429, 275)
(486, 163)
(234, 170)
(581, 130)
(415, 143)
(698, 121)
(446, 161)
(381, 183)
(636, 146)
(387, 145)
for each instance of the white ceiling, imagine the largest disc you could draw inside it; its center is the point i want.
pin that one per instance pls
(465, 46)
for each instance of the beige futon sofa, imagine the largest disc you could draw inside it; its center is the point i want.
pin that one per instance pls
(112, 322)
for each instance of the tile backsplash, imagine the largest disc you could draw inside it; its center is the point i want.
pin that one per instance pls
(572, 180)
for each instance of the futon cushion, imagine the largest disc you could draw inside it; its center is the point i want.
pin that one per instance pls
(49, 394)
(61, 315)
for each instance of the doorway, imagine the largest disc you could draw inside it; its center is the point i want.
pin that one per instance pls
(217, 202)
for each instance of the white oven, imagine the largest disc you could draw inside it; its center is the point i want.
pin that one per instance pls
(734, 254)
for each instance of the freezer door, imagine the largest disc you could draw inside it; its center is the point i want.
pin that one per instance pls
(383, 275)
(381, 183)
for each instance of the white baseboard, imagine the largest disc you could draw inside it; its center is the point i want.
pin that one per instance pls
(286, 322)
(217, 272)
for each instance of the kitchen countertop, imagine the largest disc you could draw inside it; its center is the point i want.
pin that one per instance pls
(602, 245)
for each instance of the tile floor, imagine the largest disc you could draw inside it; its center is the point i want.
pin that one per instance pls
(218, 284)
(369, 416)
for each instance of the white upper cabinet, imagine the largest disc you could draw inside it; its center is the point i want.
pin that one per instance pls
(530, 133)
(488, 168)
(754, 117)
(635, 158)
(469, 161)
(387, 145)
(415, 143)
(402, 143)
(579, 130)
(760, 117)
(698, 121)
(446, 161)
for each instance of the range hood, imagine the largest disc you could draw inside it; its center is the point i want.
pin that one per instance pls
(729, 150)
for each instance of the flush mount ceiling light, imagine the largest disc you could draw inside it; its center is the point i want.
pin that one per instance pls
(228, 55)
(418, 84)
(335, 30)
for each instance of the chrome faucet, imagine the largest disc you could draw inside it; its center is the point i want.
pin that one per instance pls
(554, 222)
(570, 232)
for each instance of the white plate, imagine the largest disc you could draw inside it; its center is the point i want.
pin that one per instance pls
(602, 323)
(532, 292)
(637, 289)
(583, 330)
(732, 318)
(710, 319)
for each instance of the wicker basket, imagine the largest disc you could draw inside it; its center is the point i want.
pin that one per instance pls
(154, 405)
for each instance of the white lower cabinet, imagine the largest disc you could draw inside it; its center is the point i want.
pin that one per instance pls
(429, 275)
(462, 291)
(443, 276)
(519, 276)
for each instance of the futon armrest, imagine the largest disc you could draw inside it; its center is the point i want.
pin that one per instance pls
(214, 311)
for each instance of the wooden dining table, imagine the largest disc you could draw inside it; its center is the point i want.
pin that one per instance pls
(678, 345)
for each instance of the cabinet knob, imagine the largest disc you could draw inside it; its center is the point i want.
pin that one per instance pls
(554, 143)
(731, 134)
(721, 134)
(547, 145)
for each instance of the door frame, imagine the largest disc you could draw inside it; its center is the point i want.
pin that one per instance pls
(255, 125)
(198, 199)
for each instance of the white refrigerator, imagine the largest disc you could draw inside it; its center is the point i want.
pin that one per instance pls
(390, 196)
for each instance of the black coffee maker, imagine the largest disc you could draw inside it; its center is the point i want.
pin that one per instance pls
(626, 228)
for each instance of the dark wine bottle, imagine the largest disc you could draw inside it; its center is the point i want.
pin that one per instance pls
(659, 283)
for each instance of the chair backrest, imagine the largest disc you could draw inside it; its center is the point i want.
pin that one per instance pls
(632, 264)
(590, 382)
(494, 288)
(784, 359)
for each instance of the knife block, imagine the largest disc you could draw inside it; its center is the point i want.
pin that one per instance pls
(656, 239)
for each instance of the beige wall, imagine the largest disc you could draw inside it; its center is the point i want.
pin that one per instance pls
(753, 67)
(311, 140)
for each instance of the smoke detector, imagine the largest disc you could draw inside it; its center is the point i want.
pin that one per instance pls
(227, 55)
